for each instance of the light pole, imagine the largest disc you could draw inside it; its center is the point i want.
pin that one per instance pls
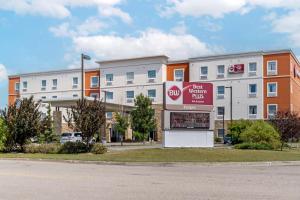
(104, 124)
(83, 57)
(230, 87)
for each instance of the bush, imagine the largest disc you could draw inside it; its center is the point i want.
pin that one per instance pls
(236, 128)
(257, 146)
(73, 147)
(218, 140)
(42, 148)
(139, 137)
(3, 134)
(261, 133)
(99, 148)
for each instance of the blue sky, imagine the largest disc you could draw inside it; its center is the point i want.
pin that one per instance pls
(39, 35)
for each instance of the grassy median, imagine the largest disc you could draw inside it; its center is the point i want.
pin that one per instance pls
(172, 155)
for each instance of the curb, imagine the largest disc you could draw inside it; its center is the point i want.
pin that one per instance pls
(165, 164)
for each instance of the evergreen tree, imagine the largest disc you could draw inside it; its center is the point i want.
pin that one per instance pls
(121, 125)
(47, 134)
(143, 116)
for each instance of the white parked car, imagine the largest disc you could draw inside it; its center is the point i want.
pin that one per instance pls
(71, 137)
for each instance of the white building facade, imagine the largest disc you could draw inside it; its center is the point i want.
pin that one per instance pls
(246, 85)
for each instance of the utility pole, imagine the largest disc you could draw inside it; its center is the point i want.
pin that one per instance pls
(230, 87)
(83, 57)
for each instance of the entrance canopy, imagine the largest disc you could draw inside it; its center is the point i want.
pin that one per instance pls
(67, 103)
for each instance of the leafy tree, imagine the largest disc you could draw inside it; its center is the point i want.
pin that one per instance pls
(288, 125)
(261, 133)
(23, 121)
(47, 134)
(143, 116)
(236, 128)
(3, 134)
(121, 125)
(86, 117)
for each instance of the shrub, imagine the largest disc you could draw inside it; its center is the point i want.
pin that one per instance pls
(236, 128)
(139, 137)
(99, 148)
(3, 134)
(218, 140)
(42, 148)
(257, 146)
(73, 147)
(262, 133)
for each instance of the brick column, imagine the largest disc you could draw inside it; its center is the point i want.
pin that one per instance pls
(57, 122)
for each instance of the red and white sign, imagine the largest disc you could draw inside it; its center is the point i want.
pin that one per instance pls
(236, 69)
(188, 96)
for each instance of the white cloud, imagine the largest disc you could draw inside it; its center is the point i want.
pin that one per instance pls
(219, 8)
(61, 8)
(112, 11)
(288, 24)
(149, 42)
(180, 28)
(90, 26)
(3, 73)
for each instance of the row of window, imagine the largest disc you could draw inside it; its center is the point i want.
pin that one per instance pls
(130, 77)
(252, 69)
(130, 95)
(252, 111)
(252, 90)
(75, 81)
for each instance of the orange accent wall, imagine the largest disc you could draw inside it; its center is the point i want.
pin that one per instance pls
(87, 82)
(172, 67)
(12, 94)
(283, 79)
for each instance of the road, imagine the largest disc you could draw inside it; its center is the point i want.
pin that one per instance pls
(54, 180)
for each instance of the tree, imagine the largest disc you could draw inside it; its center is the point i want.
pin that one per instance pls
(121, 125)
(143, 116)
(23, 121)
(3, 134)
(86, 117)
(288, 125)
(47, 134)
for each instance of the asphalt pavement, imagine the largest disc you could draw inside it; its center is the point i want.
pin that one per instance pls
(38, 180)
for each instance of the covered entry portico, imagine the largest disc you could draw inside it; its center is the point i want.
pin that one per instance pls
(60, 106)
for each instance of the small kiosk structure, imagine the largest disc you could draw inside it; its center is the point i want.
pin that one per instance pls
(188, 114)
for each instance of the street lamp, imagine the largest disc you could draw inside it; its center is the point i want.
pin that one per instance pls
(230, 87)
(83, 57)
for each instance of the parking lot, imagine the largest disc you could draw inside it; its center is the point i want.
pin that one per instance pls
(56, 180)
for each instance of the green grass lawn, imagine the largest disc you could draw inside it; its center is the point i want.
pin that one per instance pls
(173, 155)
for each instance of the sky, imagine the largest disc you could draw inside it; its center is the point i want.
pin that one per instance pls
(41, 35)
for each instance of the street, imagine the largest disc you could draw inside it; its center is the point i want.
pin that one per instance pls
(56, 180)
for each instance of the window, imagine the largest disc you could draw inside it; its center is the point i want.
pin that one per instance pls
(252, 69)
(272, 89)
(178, 74)
(75, 82)
(130, 77)
(25, 86)
(220, 111)
(272, 67)
(203, 72)
(252, 111)
(152, 94)
(272, 110)
(17, 87)
(109, 79)
(94, 95)
(220, 92)
(221, 133)
(220, 71)
(109, 115)
(151, 76)
(252, 90)
(109, 95)
(130, 96)
(75, 95)
(43, 97)
(94, 81)
(54, 97)
(44, 84)
(54, 84)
